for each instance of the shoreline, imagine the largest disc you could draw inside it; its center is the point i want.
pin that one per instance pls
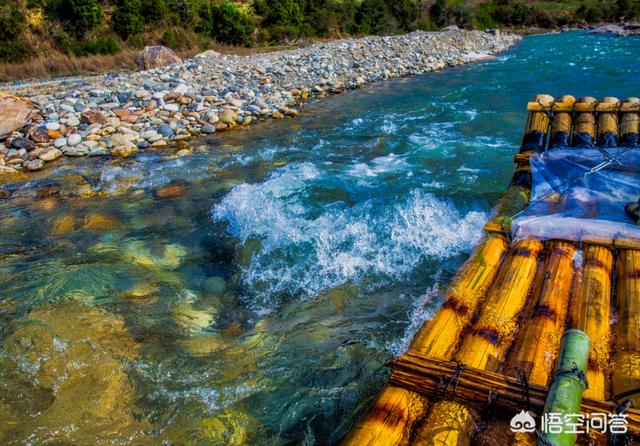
(117, 115)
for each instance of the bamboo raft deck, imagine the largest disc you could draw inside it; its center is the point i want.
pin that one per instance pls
(503, 316)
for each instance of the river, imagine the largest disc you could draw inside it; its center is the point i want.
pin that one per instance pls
(258, 300)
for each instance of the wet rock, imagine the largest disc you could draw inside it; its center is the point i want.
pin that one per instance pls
(155, 57)
(171, 192)
(50, 154)
(34, 165)
(78, 355)
(14, 113)
(227, 116)
(203, 345)
(99, 221)
(189, 318)
(62, 225)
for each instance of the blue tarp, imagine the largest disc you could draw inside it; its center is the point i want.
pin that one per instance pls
(581, 194)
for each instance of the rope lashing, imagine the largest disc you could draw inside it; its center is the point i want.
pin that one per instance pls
(524, 385)
(572, 371)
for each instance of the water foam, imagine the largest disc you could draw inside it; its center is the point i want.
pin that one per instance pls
(306, 251)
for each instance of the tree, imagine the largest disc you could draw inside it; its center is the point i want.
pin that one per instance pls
(227, 23)
(77, 16)
(127, 19)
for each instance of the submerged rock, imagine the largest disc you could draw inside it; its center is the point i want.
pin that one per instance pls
(77, 355)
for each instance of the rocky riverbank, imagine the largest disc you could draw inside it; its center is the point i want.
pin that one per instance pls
(119, 114)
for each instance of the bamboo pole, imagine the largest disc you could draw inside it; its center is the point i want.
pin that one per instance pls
(629, 124)
(440, 336)
(421, 373)
(584, 130)
(485, 346)
(566, 390)
(590, 312)
(626, 363)
(535, 134)
(393, 414)
(561, 124)
(516, 198)
(608, 124)
(536, 347)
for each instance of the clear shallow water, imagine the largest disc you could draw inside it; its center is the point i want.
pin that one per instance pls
(261, 304)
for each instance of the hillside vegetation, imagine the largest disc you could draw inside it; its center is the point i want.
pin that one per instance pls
(49, 35)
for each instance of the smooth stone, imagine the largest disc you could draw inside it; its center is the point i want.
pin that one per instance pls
(165, 130)
(34, 165)
(60, 142)
(52, 126)
(208, 128)
(23, 143)
(98, 151)
(79, 150)
(74, 140)
(171, 107)
(50, 154)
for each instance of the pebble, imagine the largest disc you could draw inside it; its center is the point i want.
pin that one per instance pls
(166, 131)
(74, 140)
(33, 165)
(208, 128)
(52, 126)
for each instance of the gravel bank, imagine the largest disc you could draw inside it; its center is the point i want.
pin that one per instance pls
(120, 114)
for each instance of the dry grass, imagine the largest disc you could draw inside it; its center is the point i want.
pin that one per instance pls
(56, 64)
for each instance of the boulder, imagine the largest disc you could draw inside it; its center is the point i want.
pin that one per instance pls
(14, 113)
(617, 30)
(156, 56)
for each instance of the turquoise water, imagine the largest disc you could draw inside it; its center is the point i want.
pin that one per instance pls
(261, 303)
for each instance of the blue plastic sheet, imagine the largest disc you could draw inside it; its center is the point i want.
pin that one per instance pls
(580, 195)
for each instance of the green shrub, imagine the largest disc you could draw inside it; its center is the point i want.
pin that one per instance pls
(12, 49)
(127, 19)
(153, 11)
(77, 16)
(227, 23)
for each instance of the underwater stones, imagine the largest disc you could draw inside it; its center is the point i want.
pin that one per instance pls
(137, 253)
(62, 225)
(173, 256)
(142, 291)
(170, 192)
(99, 221)
(78, 354)
(189, 318)
(215, 285)
(203, 345)
(47, 204)
(123, 151)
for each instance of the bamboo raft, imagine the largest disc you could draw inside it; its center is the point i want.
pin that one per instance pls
(491, 349)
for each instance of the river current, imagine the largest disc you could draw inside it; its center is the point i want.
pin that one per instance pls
(258, 298)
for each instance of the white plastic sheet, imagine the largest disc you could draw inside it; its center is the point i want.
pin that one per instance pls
(579, 194)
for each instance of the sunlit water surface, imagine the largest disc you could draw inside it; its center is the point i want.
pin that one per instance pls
(261, 306)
